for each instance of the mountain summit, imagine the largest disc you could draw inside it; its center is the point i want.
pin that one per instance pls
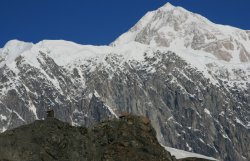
(189, 76)
(175, 27)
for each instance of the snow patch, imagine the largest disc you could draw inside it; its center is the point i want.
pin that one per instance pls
(111, 110)
(97, 94)
(3, 130)
(3, 118)
(241, 123)
(188, 146)
(207, 111)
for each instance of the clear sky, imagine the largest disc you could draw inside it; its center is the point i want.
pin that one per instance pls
(99, 22)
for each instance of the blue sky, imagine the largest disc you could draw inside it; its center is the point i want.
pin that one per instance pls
(99, 22)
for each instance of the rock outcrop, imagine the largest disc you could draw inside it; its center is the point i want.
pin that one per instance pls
(126, 139)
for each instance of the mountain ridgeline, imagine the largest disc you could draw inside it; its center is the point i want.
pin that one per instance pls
(189, 76)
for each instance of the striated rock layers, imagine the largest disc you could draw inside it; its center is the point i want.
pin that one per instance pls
(186, 109)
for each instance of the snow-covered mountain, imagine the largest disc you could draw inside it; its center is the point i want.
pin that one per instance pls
(188, 75)
(175, 27)
(221, 50)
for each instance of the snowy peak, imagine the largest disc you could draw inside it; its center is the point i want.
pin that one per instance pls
(168, 6)
(12, 50)
(16, 46)
(175, 27)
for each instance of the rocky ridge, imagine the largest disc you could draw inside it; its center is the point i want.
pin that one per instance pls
(128, 138)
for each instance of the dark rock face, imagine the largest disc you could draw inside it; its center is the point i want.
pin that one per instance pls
(186, 109)
(126, 139)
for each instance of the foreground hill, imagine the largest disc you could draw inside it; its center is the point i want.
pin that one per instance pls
(130, 138)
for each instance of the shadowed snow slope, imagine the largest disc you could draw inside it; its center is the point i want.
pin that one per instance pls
(181, 154)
